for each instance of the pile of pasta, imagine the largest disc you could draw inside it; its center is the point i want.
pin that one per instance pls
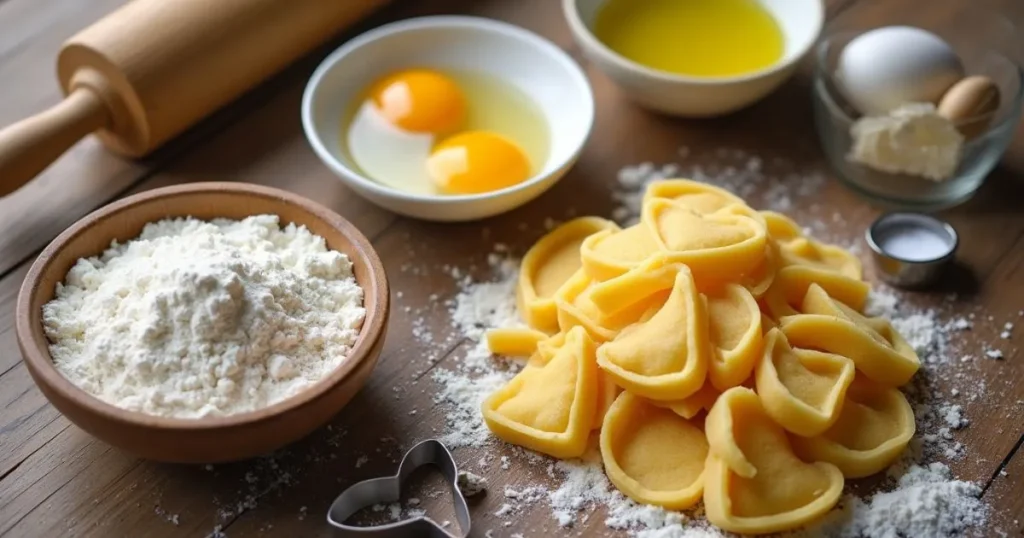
(722, 354)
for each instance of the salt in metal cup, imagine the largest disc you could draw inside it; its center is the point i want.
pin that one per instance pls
(911, 250)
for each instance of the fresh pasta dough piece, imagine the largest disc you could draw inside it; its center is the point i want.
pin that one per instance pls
(549, 263)
(720, 247)
(640, 283)
(767, 323)
(608, 254)
(514, 341)
(796, 249)
(753, 482)
(871, 354)
(549, 408)
(689, 407)
(575, 307)
(700, 197)
(873, 429)
(801, 389)
(607, 391)
(653, 455)
(818, 301)
(734, 327)
(663, 357)
(547, 348)
(761, 277)
(786, 294)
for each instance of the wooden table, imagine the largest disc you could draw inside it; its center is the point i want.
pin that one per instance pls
(56, 480)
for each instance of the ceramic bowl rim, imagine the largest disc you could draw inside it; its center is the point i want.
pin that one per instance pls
(583, 32)
(347, 173)
(40, 363)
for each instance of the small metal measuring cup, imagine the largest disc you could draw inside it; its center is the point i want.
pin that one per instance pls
(911, 250)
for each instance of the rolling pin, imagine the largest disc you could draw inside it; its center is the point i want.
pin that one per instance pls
(153, 68)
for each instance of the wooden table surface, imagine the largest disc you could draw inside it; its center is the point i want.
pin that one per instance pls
(56, 480)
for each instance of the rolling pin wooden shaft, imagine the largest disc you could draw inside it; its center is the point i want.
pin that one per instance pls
(153, 68)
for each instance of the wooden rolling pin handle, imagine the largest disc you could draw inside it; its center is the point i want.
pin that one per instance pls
(29, 146)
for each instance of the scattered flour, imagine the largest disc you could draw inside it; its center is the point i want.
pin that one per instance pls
(478, 307)
(197, 318)
(470, 484)
(927, 501)
(994, 354)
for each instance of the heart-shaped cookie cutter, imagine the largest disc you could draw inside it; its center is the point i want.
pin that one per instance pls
(388, 489)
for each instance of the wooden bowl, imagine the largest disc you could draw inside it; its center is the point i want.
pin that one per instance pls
(216, 439)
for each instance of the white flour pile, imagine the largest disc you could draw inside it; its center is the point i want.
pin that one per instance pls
(920, 498)
(196, 318)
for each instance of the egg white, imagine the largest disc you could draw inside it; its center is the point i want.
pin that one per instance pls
(388, 154)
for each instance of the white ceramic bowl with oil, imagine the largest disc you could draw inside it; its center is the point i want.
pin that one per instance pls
(530, 63)
(801, 22)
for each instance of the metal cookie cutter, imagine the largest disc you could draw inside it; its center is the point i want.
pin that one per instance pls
(388, 489)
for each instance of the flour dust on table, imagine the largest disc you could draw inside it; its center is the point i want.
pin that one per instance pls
(918, 497)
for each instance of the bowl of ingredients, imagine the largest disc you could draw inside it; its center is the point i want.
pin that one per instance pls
(915, 114)
(698, 58)
(205, 322)
(448, 118)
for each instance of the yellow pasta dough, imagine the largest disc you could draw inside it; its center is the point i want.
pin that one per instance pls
(801, 389)
(549, 408)
(761, 277)
(873, 429)
(653, 275)
(871, 353)
(608, 254)
(734, 326)
(818, 301)
(514, 341)
(705, 305)
(719, 247)
(664, 357)
(700, 197)
(689, 407)
(787, 292)
(575, 307)
(653, 455)
(796, 249)
(754, 483)
(607, 391)
(548, 265)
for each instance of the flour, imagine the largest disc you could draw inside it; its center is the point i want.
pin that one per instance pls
(478, 307)
(470, 484)
(926, 502)
(195, 319)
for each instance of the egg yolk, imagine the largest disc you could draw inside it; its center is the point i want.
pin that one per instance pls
(421, 101)
(477, 161)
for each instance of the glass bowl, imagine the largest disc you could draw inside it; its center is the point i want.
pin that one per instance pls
(987, 45)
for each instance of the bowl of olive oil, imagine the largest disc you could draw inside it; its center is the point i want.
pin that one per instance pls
(696, 58)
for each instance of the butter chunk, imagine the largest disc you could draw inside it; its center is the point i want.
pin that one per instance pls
(912, 139)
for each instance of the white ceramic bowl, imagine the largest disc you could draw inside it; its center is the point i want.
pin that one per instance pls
(678, 95)
(519, 57)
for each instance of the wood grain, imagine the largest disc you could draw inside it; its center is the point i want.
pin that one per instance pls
(55, 479)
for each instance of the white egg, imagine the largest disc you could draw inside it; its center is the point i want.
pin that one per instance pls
(885, 68)
(390, 155)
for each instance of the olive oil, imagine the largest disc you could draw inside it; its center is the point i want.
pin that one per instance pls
(702, 38)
